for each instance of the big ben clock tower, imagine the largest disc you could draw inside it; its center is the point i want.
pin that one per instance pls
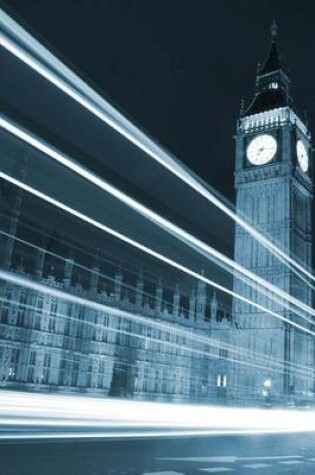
(273, 181)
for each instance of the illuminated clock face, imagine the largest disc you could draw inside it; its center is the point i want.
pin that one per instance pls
(302, 155)
(261, 149)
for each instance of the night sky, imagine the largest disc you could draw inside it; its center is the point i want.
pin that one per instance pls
(180, 68)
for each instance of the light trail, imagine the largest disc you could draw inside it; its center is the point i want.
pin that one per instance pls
(131, 434)
(276, 365)
(146, 250)
(33, 54)
(102, 258)
(216, 343)
(100, 274)
(285, 257)
(140, 365)
(151, 296)
(300, 370)
(194, 243)
(69, 416)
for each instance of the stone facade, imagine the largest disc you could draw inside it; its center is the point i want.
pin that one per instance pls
(276, 199)
(49, 344)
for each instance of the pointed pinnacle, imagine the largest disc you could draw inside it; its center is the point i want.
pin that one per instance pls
(274, 29)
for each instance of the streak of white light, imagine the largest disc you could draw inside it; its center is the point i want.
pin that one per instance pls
(62, 411)
(301, 370)
(189, 239)
(147, 250)
(52, 69)
(133, 317)
(128, 434)
(94, 270)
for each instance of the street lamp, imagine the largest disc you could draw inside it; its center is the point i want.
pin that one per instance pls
(266, 392)
(11, 373)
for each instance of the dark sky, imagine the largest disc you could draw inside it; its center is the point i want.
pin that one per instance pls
(180, 68)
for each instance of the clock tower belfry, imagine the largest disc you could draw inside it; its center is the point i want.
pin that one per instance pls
(273, 182)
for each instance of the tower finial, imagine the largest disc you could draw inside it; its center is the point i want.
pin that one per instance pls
(258, 68)
(274, 29)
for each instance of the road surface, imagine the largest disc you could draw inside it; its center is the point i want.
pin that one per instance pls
(292, 454)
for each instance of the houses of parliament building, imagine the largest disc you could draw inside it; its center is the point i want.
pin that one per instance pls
(51, 344)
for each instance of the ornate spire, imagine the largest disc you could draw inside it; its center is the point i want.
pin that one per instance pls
(201, 299)
(242, 108)
(214, 306)
(39, 263)
(272, 82)
(272, 62)
(95, 272)
(274, 29)
(192, 304)
(67, 271)
(176, 301)
(158, 297)
(118, 282)
(139, 290)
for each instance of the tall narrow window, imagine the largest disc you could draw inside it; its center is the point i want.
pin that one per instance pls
(221, 381)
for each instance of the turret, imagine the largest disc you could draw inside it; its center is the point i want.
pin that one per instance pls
(139, 291)
(158, 298)
(272, 82)
(95, 274)
(118, 279)
(201, 300)
(192, 304)
(176, 301)
(39, 263)
(214, 307)
(67, 272)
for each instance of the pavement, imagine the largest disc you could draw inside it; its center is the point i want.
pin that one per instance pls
(289, 454)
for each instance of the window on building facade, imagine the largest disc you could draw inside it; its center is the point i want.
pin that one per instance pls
(53, 308)
(52, 325)
(33, 358)
(146, 344)
(20, 317)
(40, 303)
(47, 360)
(221, 381)
(4, 315)
(45, 375)
(37, 321)
(30, 374)
(67, 327)
(22, 299)
(15, 355)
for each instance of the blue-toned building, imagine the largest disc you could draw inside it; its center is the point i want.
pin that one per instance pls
(273, 182)
(51, 344)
